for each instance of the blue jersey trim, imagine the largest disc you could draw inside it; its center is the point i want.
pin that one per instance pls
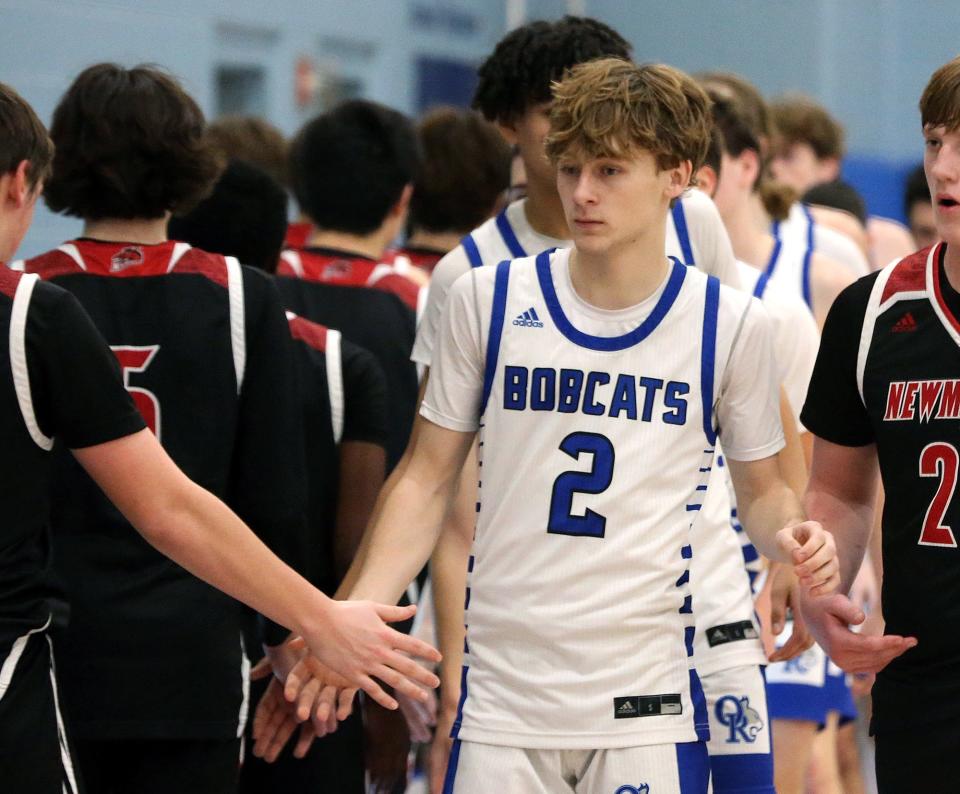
(496, 330)
(683, 234)
(471, 250)
(808, 257)
(455, 730)
(608, 343)
(693, 767)
(452, 764)
(509, 236)
(767, 273)
(708, 354)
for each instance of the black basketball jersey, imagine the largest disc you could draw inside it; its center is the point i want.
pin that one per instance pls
(904, 363)
(57, 380)
(377, 321)
(206, 354)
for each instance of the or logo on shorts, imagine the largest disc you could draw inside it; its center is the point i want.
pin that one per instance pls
(643, 788)
(742, 721)
(528, 319)
(800, 664)
(130, 256)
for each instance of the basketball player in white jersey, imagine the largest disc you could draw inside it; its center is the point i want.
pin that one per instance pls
(578, 367)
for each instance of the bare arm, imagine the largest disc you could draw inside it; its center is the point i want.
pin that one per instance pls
(199, 532)
(346, 586)
(842, 495)
(405, 531)
(772, 516)
(828, 279)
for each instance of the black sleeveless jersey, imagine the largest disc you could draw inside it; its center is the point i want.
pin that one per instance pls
(377, 321)
(207, 357)
(59, 381)
(904, 363)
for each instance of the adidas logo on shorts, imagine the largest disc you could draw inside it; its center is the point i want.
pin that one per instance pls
(528, 319)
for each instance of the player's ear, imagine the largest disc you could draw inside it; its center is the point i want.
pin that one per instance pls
(508, 130)
(16, 186)
(707, 179)
(679, 178)
(749, 163)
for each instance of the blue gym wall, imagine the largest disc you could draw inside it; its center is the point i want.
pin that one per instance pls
(867, 60)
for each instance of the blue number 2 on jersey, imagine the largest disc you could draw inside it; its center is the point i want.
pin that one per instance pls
(597, 480)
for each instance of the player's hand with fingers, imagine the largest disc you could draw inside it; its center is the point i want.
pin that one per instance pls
(784, 597)
(814, 554)
(356, 643)
(829, 619)
(440, 750)
(274, 722)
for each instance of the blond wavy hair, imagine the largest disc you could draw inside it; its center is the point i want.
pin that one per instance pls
(613, 108)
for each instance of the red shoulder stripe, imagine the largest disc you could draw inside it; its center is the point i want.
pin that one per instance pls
(308, 332)
(213, 266)
(400, 286)
(909, 275)
(52, 264)
(9, 280)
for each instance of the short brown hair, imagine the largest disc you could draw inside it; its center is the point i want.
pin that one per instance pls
(608, 107)
(23, 137)
(465, 168)
(252, 140)
(130, 144)
(940, 102)
(798, 119)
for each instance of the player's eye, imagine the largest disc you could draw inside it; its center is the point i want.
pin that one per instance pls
(568, 169)
(610, 170)
(932, 142)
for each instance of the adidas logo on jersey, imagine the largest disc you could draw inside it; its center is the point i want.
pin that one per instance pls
(627, 709)
(905, 323)
(528, 319)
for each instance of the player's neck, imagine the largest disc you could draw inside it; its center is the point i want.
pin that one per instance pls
(434, 241)
(120, 230)
(371, 245)
(748, 225)
(544, 210)
(622, 276)
(951, 265)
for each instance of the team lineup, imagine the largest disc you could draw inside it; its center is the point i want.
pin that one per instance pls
(606, 461)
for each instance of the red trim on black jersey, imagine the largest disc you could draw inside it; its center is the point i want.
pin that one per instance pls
(937, 265)
(344, 269)
(128, 260)
(9, 280)
(308, 332)
(298, 234)
(909, 275)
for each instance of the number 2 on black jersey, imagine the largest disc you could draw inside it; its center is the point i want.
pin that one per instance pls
(939, 459)
(562, 520)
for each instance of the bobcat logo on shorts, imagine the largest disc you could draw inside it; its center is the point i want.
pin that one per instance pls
(742, 721)
(643, 788)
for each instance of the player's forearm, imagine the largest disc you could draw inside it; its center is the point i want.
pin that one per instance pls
(448, 572)
(850, 524)
(766, 513)
(203, 535)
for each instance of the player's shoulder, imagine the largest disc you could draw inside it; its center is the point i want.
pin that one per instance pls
(313, 335)
(59, 261)
(697, 204)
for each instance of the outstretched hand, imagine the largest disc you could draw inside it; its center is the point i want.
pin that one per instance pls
(356, 643)
(828, 619)
(814, 555)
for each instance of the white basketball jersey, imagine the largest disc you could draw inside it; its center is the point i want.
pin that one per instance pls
(595, 453)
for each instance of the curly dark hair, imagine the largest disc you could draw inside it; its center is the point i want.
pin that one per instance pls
(466, 166)
(519, 72)
(130, 144)
(349, 166)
